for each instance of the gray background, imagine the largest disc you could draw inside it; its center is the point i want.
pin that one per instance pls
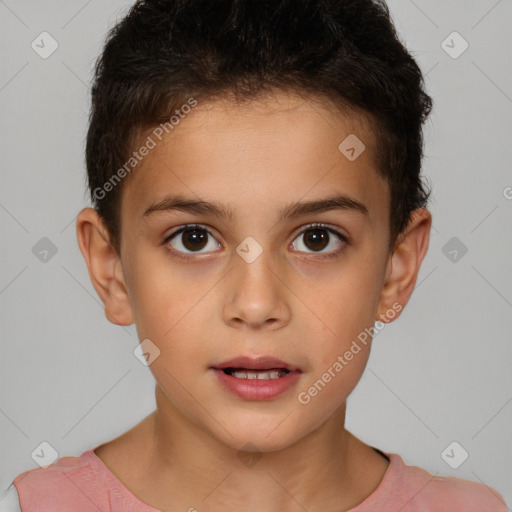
(440, 373)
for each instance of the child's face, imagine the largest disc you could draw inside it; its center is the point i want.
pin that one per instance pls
(292, 302)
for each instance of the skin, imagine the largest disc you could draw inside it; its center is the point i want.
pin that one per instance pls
(291, 302)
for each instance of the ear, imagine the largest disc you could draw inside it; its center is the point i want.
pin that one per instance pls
(104, 265)
(404, 265)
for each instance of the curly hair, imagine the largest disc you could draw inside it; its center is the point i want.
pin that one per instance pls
(163, 52)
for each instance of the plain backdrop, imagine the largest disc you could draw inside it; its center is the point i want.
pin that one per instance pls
(439, 374)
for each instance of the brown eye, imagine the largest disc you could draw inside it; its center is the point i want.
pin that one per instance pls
(192, 239)
(316, 238)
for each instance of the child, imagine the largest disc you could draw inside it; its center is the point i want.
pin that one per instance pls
(255, 172)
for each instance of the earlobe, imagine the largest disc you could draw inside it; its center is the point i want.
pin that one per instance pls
(404, 265)
(104, 266)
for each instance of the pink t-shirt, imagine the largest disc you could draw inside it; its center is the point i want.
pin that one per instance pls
(80, 484)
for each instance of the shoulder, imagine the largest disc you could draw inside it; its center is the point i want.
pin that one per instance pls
(420, 491)
(68, 482)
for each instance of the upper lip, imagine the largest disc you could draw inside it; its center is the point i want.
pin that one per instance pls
(256, 363)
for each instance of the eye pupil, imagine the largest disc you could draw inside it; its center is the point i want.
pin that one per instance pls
(318, 237)
(194, 239)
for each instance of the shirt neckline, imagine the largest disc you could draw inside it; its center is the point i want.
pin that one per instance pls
(395, 463)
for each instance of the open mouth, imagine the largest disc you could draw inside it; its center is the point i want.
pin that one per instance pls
(244, 373)
(257, 378)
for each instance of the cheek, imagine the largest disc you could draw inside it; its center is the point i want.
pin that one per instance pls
(165, 295)
(347, 378)
(326, 390)
(347, 306)
(341, 357)
(177, 319)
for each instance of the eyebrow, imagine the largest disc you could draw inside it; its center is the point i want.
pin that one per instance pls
(297, 209)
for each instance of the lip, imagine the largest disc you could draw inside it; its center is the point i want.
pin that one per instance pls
(257, 389)
(256, 363)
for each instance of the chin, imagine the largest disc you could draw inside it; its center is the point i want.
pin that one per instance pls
(259, 434)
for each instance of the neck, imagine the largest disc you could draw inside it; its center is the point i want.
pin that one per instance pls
(185, 465)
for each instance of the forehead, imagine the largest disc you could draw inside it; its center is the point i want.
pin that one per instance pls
(250, 155)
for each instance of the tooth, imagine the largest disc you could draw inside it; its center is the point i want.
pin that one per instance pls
(255, 374)
(240, 375)
(273, 374)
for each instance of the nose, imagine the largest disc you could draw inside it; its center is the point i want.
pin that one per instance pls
(256, 295)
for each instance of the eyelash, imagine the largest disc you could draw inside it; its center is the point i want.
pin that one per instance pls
(191, 256)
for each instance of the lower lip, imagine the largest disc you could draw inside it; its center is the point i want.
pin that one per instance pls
(258, 389)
